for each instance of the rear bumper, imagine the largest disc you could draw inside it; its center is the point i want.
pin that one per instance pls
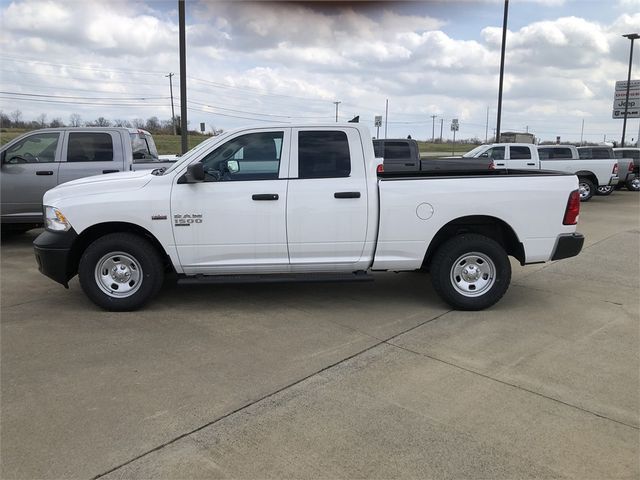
(568, 246)
(614, 180)
(53, 254)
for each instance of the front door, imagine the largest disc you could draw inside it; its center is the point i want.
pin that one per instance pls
(234, 221)
(327, 200)
(29, 169)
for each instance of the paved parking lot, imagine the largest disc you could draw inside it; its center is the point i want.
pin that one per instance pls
(367, 380)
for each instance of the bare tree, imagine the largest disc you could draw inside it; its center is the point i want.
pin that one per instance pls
(137, 123)
(17, 118)
(100, 122)
(42, 120)
(153, 124)
(56, 123)
(75, 120)
(118, 122)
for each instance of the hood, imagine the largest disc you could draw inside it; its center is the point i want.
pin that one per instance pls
(99, 184)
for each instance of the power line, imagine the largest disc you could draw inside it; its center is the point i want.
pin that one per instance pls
(81, 98)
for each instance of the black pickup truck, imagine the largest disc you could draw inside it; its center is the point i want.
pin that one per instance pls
(403, 155)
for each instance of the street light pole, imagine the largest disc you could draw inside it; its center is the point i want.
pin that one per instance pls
(433, 128)
(184, 133)
(504, 42)
(632, 37)
(173, 115)
(337, 103)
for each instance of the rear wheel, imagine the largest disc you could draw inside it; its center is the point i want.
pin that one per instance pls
(633, 184)
(471, 272)
(120, 272)
(586, 189)
(605, 190)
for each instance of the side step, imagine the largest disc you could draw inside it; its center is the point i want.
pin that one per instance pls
(277, 278)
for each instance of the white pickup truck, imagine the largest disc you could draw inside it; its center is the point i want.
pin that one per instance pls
(562, 158)
(302, 202)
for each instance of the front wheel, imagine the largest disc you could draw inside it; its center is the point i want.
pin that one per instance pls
(471, 272)
(604, 190)
(634, 184)
(120, 272)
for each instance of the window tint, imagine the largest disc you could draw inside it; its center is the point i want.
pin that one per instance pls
(496, 153)
(256, 156)
(38, 148)
(519, 153)
(397, 151)
(584, 153)
(90, 147)
(600, 153)
(143, 148)
(545, 153)
(635, 154)
(554, 153)
(323, 154)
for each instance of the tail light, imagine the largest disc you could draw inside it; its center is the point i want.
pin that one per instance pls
(615, 168)
(572, 211)
(380, 168)
(631, 167)
(492, 166)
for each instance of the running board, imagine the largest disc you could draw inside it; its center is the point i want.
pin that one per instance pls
(277, 278)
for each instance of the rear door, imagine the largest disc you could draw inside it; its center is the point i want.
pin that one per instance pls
(520, 157)
(29, 169)
(86, 153)
(327, 199)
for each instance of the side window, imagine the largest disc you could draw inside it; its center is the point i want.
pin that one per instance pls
(38, 148)
(545, 153)
(600, 153)
(496, 153)
(255, 156)
(562, 153)
(141, 148)
(323, 154)
(520, 153)
(585, 153)
(90, 147)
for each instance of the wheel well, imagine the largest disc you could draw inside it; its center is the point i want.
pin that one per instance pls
(588, 175)
(491, 227)
(96, 231)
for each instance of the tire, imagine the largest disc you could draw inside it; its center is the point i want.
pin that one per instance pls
(120, 272)
(586, 189)
(633, 185)
(470, 272)
(604, 190)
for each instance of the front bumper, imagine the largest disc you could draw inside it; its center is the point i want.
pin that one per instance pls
(567, 246)
(53, 252)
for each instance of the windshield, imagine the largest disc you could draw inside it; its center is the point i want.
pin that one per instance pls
(194, 151)
(476, 151)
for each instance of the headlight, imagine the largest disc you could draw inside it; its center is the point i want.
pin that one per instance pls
(55, 220)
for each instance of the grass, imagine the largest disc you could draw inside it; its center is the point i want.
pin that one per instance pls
(448, 148)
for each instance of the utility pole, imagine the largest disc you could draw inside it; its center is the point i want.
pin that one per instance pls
(632, 37)
(582, 132)
(173, 115)
(486, 128)
(504, 43)
(433, 128)
(441, 124)
(183, 78)
(336, 104)
(386, 118)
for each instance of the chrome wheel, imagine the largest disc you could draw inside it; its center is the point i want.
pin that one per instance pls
(118, 274)
(585, 190)
(605, 190)
(472, 274)
(634, 184)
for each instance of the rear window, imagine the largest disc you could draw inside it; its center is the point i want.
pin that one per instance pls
(323, 154)
(397, 151)
(90, 147)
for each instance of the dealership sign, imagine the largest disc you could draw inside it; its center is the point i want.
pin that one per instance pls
(632, 102)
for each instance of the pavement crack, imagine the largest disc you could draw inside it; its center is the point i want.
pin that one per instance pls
(512, 385)
(268, 395)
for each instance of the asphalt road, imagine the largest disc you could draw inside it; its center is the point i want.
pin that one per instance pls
(367, 380)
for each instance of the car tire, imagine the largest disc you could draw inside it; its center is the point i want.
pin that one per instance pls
(470, 272)
(605, 190)
(120, 272)
(634, 184)
(586, 189)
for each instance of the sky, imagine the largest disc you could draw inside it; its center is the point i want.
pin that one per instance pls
(265, 62)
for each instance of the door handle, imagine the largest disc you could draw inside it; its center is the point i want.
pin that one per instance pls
(346, 195)
(409, 164)
(44, 172)
(110, 171)
(265, 196)
(531, 164)
(499, 164)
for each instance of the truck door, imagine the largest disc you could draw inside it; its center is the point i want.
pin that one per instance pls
(520, 157)
(29, 169)
(87, 153)
(234, 221)
(327, 200)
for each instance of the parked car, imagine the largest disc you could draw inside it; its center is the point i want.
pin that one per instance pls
(563, 158)
(302, 202)
(625, 166)
(634, 154)
(39, 160)
(403, 155)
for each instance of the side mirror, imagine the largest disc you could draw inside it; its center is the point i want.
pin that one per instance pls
(194, 174)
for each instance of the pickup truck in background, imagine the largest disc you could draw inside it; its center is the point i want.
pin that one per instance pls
(561, 158)
(403, 155)
(281, 203)
(39, 160)
(625, 166)
(633, 154)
